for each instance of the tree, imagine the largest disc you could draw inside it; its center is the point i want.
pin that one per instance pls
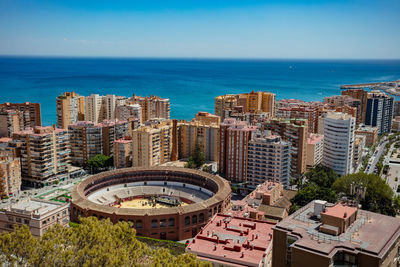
(317, 185)
(378, 195)
(198, 158)
(100, 162)
(91, 243)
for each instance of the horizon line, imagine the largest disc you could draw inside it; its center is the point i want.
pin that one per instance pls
(194, 58)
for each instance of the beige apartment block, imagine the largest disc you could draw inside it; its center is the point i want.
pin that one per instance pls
(153, 107)
(70, 109)
(10, 176)
(129, 112)
(315, 150)
(28, 113)
(89, 139)
(294, 131)
(9, 122)
(153, 144)
(38, 215)
(45, 154)
(123, 152)
(204, 130)
(253, 102)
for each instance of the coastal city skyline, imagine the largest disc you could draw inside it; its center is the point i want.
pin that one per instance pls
(200, 133)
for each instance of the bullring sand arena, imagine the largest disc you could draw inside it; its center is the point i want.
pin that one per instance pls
(160, 202)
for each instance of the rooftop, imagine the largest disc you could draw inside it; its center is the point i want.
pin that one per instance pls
(314, 138)
(340, 211)
(371, 233)
(233, 240)
(34, 207)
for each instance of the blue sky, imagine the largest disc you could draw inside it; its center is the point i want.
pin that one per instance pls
(203, 29)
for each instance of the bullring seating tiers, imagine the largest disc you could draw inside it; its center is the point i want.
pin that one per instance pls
(109, 195)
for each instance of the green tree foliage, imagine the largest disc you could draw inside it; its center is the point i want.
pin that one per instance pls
(100, 162)
(91, 243)
(198, 158)
(318, 185)
(378, 196)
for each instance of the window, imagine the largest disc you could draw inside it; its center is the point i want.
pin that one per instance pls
(201, 217)
(18, 220)
(171, 222)
(139, 224)
(163, 223)
(154, 223)
(194, 219)
(26, 221)
(187, 220)
(10, 218)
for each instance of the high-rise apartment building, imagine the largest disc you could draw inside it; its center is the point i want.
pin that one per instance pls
(253, 102)
(10, 176)
(123, 152)
(86, 141)
(207, 118)
(234, 139)
(93, 110)
(28, 113)
(223, 103)
(153, 107)
(70, 109)
(152, 145)
(379, 111)
(361, 95)
(45, 155)
(99, 108)
(268, 159)
(332, 235)
(315, 149)
(129, 112)
(339, 142)
(113, 130)
(345, 104)
(295, 132)
(305, 111)
(203, 130)
(9, 122)
(89, 139)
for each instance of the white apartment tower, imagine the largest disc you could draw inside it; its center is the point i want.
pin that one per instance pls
(268, 159)
(338, 142)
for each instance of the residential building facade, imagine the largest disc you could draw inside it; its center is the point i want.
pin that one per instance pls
(70, 109)
(295, 132)
(234, 138)
(315, 149)
(45, 155)
(268, 160)
(10, 176)
(38, 215)
(379, 111)
(339, 142)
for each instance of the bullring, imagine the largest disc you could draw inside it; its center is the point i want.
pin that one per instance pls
(160, 202)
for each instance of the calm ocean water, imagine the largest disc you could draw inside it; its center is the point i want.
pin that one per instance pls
(191, 85)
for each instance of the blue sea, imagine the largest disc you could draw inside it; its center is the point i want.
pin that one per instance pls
(190, 84)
